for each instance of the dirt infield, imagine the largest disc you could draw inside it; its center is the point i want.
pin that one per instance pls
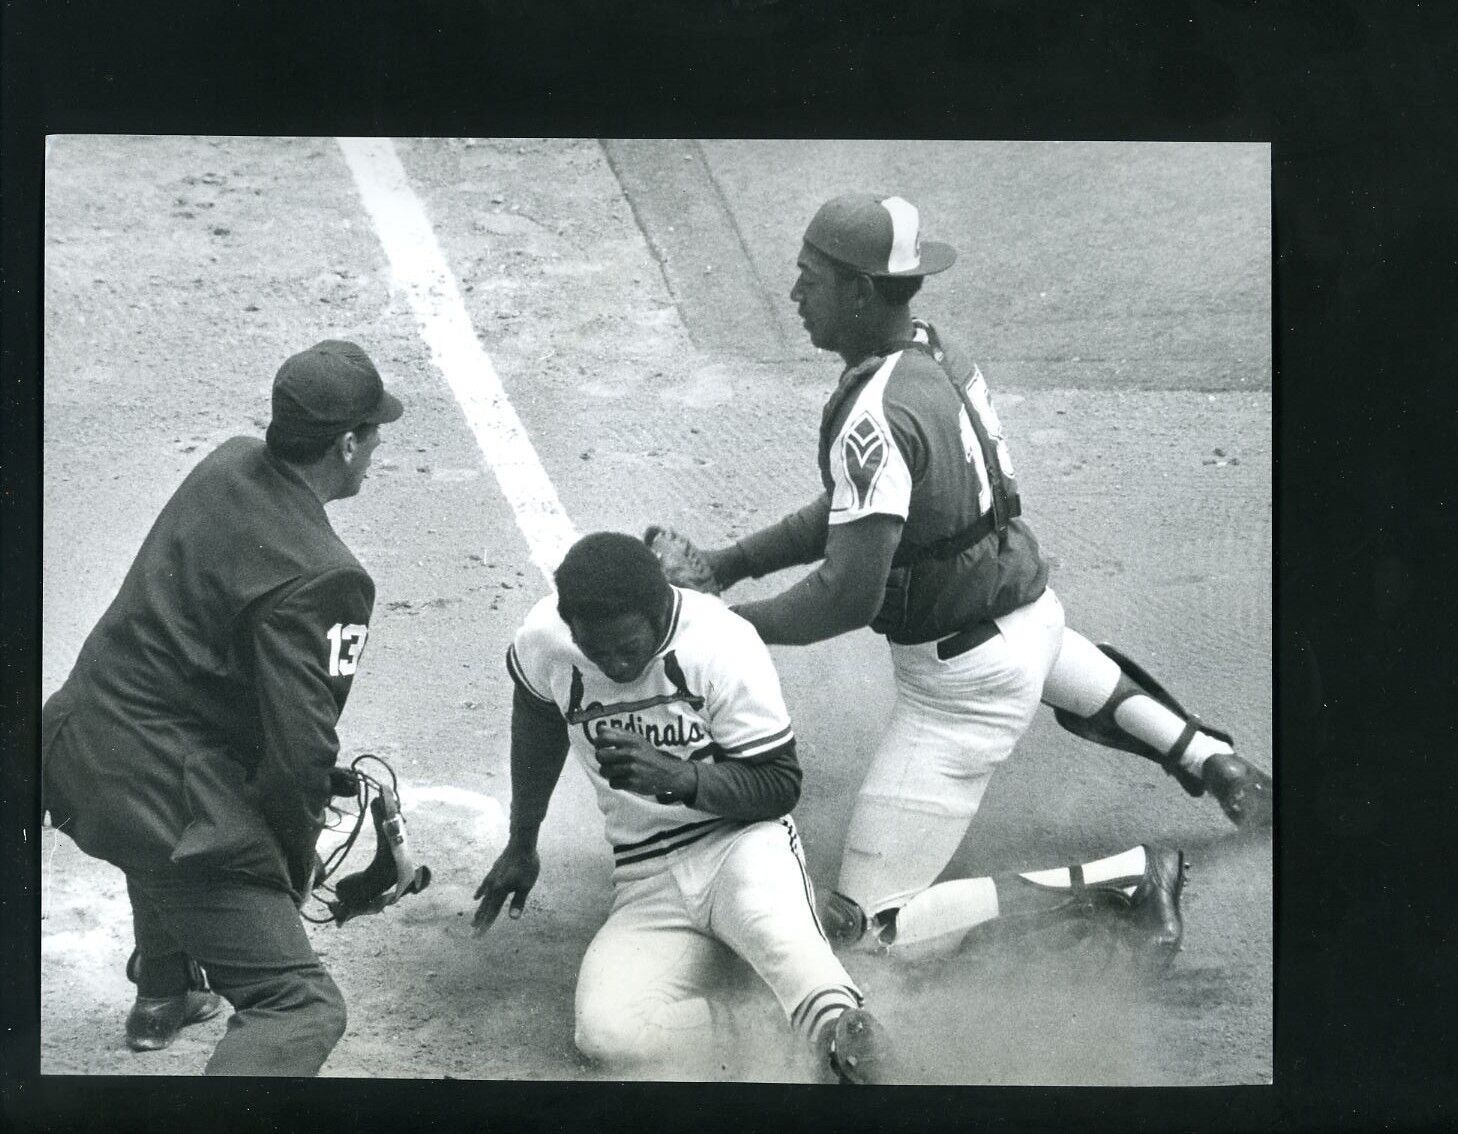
(181, 271)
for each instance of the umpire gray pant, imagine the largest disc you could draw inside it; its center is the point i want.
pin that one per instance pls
(288, 1012)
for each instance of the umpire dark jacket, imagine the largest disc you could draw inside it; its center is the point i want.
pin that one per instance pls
(197, 728)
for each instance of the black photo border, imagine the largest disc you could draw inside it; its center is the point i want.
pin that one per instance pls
(1357, 102)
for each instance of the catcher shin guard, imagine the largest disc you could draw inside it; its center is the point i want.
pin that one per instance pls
(1103, 728)
(391, 874)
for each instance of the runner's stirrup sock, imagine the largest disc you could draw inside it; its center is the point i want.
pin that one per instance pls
(818, 1012)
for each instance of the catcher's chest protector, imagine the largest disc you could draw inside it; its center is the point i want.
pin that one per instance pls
(964, 488)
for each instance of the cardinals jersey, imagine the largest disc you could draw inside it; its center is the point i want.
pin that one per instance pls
(710, 692)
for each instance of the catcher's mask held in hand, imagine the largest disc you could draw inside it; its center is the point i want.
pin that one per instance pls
(392, 873)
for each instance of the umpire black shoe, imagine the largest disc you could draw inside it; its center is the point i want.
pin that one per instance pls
(1243, 790)
(154, 1021)
(859, 1051)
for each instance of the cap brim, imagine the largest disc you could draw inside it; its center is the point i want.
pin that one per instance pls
(935, 257)
(387, 409)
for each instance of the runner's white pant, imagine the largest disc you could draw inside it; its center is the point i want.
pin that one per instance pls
(953, 722)
(641, 988)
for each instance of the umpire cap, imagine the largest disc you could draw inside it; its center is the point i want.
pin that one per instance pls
(880, 236)
(329, 388)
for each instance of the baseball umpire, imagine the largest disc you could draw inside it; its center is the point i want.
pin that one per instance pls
(193, 742)
(672, 705)
(918, 535)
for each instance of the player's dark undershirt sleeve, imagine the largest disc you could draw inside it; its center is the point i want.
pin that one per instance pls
(539, 745)
(843, 593)
(796, 539)
(757, 787)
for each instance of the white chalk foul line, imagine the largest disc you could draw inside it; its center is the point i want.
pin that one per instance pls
(420, 268)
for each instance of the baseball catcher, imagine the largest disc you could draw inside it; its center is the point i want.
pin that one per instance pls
(919, 535)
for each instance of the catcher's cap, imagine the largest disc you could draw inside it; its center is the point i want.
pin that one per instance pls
(329, 388)
(880, 236)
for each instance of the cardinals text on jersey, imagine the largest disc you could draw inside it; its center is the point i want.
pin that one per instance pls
(709, 693)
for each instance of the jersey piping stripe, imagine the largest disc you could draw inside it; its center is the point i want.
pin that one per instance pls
(804, 879)
(761, 745)
(671, 833)
(513, 667)
(672, 621)
(656, 852)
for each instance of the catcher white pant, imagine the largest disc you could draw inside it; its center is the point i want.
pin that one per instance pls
(641, 989)
(953, 722)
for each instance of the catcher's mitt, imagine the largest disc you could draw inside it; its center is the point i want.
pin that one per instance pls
(683, 563)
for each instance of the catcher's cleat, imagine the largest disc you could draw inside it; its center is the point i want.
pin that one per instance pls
(1243, 790)
(858, 1052)
(154, 1021)
(1152, 911)
(1136, 914)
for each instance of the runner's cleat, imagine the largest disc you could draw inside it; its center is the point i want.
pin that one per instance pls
(859, 1051)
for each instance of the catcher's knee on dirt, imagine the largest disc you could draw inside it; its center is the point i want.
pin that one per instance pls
(310, 1000)
(847, 925)
(929, 924)
(896, 847)
(844, 921)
